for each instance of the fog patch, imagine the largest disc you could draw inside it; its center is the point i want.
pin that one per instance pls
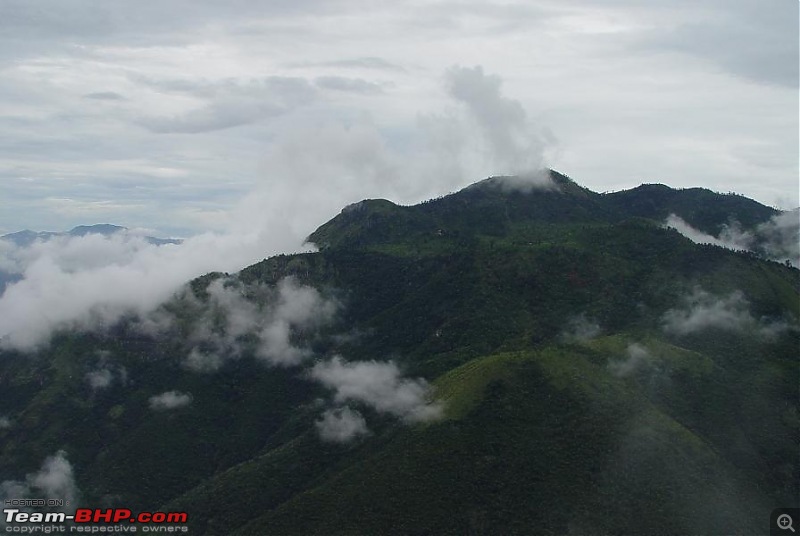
(701, 311)
(170, 400)
(777, 239)
(90, 282)
(54, 480)
(580, 329)
(637, 358)
(238, 318)
(105, 374)
(379, 386)
(341, 425)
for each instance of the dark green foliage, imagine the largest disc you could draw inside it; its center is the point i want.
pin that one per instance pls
(543, 431)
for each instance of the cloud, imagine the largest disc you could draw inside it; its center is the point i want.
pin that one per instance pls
(777, 239)
(170, 400)
(367, 62)
(100, 378)
(273, 317)
(341, 425)
(229, 103)
(90, 282)
(5, 423)
(54, 480)
(105, 374)
(354, 85)
(380, 386)
(515, 147)
(104, 95)
(771, 55)
(702, 310)
(695, 235)
(203, 361)
(314, 168)
(580, 329)
(637, 358)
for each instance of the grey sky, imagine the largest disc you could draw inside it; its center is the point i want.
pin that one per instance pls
(187, 116)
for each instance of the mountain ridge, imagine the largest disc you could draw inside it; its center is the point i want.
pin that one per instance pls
(578, 365)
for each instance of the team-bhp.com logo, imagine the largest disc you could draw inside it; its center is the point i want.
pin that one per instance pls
(95, 520)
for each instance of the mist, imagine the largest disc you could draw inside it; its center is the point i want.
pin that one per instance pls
(315, 167)
(702, 310)
(170, 400)
(777, 239)
(341, 425)
(54, 480)
(378, 385)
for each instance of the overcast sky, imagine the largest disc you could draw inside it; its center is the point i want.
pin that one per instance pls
(184, 116)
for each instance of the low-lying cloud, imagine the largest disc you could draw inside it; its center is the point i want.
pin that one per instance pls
(54, 480)
(637, 357)
(341, 425)
(702, 310)
(580, 329)
(89, 282)
(777, 239)
(170, 400)
(312, 170)
(106, 373)
(237, 317)
(379, 386)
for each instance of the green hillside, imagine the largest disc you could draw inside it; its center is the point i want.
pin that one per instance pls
(592, 372)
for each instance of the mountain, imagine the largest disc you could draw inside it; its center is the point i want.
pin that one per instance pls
(511, 358)
(24, 239)
(27, 237)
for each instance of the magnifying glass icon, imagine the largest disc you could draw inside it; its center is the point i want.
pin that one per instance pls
(785, 522)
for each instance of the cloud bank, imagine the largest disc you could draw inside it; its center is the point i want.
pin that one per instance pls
(90, 282)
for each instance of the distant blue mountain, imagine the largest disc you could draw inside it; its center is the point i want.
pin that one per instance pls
(27, 237)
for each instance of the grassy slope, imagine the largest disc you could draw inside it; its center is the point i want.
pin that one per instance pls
(546, 441)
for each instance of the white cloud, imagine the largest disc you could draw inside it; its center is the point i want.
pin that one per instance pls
(105, 373)
(580, 329)
(604, 76)
(341, 425)
(512, 144)
(380, 386)
(702, 310)
(780, 237)
(100, 378)
(777, 239)
(275, 317)
(637, 358)
(89, 282)
(200, 361)
(54, 480)
(170, 400)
